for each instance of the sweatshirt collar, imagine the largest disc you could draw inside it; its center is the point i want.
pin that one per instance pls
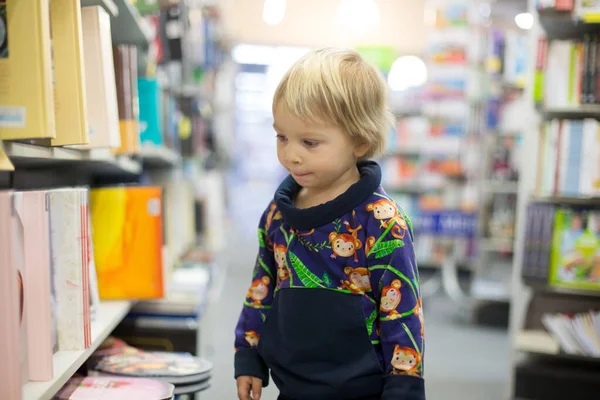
(308, 218)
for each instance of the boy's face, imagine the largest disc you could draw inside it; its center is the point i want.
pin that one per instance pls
(316, 155)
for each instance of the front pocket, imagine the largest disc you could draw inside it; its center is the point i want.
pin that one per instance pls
(315, 339)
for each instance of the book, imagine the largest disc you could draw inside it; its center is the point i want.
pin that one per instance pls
(68, 239)
(69, 75)
(576, 333)
(10, 370)
(101, 92)
(575, 256)
(128, 240)
(150, 113)
(115, 388)
(125, 62)
(5, 163)
(175, 368)
(26, 89)
(32, 210)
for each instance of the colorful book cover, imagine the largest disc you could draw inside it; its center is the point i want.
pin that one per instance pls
(33, 212)
(176, 368)
(125, 61)
(26, 92)
(576, 249)
(68, 239)
(69, 76)
(150, 118)
(101, 92)
(115, 388)
(11, 294)
(128, 239)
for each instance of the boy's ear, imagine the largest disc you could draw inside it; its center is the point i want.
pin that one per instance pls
(361, 149)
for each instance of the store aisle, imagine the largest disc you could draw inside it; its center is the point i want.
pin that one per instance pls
(462, 362)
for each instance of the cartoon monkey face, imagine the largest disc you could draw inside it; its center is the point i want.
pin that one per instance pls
(382, 209)
(390, 296)
(260, 288)
(279, 253)
(361, 277)
(252, 338)
(405, 358)
(344, 245)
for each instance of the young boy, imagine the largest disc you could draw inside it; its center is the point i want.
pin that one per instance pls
(334, 310)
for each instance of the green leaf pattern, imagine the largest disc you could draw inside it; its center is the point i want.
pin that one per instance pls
(308, 279)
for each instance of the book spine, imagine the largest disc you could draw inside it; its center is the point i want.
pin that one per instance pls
(10, 378)
(585, 70)
(592, 59)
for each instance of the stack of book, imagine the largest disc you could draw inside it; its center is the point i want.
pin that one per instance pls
(569, 158)
(115, 388)
(577, 334)
(51, 247)
(562, 246)
(189, 374)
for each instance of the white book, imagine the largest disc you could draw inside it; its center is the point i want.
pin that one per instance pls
(557, 73)
(68, 238)
(101, 92)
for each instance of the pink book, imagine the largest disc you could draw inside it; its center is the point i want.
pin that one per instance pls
(10, 371)
(116, 388)
(34, 216)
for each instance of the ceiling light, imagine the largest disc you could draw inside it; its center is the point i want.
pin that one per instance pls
(524, 20)
(407, 72)
(274, 11)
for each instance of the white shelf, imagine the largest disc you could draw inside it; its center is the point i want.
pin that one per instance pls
(536, 341)
(159, 156)
(66, 363)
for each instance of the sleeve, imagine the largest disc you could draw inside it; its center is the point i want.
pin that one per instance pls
(258, 301)
(395, 283)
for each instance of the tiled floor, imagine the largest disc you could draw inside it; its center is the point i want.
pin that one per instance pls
(462, 362)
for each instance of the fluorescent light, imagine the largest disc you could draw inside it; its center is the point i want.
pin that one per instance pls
(524, 20)
(274, 11)
(407, 72)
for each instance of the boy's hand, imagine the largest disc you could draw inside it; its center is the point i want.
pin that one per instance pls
(247, 384)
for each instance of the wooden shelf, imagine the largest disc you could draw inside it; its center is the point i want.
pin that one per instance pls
(109, 6)
(128, 27)
(66, 363)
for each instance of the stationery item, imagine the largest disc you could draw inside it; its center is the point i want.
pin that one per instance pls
(128, 241)
(32, 210)
(69, 77)
(10, 295)
(101, 92)
(115, 388)
(69, 241)
(26, 92)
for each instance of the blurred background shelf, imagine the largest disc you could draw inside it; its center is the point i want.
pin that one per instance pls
(128, 27)
(109, 6)
(156, 157)
(572, 112)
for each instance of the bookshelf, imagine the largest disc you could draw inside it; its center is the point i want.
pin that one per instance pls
(66, 363)
(539, 367)
(159, 156)
(128, 27)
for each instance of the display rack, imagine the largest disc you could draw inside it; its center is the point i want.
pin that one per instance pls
(540, 368)
(66, 363)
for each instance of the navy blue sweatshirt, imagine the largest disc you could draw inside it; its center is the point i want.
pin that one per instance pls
(334, 310)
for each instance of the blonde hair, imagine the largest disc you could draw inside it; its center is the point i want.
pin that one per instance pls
(337, 86)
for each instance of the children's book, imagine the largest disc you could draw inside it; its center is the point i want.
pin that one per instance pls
(176, 368)
(69, 76)
(32, 209)
(10, 296)
(115, 388)
(575, 259)
(69, 249)
(26, 83)
(101, 92)
(128, 240)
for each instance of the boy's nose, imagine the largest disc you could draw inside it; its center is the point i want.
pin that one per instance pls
(293, 158)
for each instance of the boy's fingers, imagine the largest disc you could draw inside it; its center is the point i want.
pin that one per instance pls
(243, 390)
(256, 389)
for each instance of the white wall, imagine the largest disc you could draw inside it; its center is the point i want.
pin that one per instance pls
(311, 23)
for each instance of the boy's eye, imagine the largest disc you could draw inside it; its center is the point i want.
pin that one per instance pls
(311, 143)
(281, 138)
